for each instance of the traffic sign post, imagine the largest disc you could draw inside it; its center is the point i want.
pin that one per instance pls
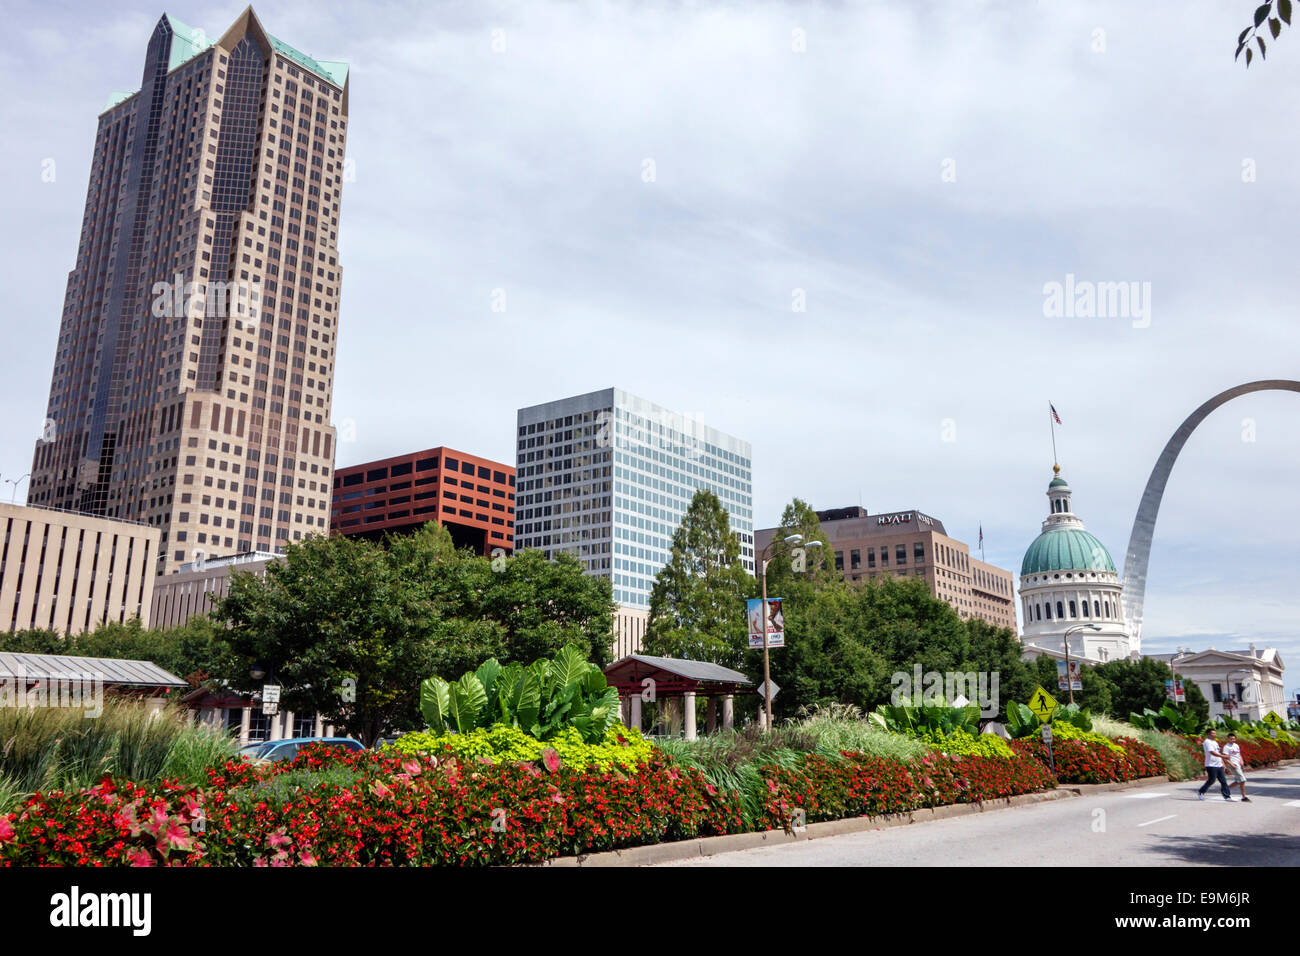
(270, 699)
(1047, 742)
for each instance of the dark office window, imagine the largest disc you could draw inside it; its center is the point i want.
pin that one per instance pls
(376, 474)
(403, 469)
(871, 557)
(467, 468)
(855, 560)
(918, 552)
(839, 560)
(900, 554)
(426, 464)
(451, 463)
(354, 479)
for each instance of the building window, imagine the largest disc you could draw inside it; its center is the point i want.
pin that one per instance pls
(1060, 611)
(1216, 691)
(1074, 609)
(855, 560)
(839, 560)
(871, 557)
(900, 554)
(918, 552)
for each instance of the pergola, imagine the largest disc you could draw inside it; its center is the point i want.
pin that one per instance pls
(668, 678)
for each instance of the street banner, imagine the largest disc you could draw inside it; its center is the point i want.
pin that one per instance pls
(1174, 691)
(775, 623)
(1076, 676)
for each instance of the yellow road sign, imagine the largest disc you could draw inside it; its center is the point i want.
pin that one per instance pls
(1272, 719)
(1042, 704)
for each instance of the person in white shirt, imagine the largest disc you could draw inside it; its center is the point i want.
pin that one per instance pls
(1213, 767)
(1232, 754)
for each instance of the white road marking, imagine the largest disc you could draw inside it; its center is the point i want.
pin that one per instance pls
(1292, 803)
(1157, 820)
(1146, 796)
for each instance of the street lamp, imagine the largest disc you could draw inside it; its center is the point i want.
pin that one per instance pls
(767, 665)
(16, 482)
(1228, 680)
(1068, 631)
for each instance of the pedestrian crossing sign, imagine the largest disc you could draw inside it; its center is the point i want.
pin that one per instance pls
(1042, 704)
(1272, 719)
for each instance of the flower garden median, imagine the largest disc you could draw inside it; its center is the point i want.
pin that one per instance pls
(525, 764)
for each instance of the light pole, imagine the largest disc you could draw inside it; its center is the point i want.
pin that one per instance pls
(16, 482)
(1228, 680)
(767, 664)
(1069, 684)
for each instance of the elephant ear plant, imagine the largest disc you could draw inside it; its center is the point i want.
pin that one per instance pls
(540, 699)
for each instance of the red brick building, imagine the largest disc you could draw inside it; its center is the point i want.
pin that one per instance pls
(473, 497)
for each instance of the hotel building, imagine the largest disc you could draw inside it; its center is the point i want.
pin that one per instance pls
(472, 497)
(607, 477)
(913, 544)
(194, 370)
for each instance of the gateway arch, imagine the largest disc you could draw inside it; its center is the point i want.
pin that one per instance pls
(1144, 525)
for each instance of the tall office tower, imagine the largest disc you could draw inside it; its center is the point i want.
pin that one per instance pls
(195, 365)
(608, 476)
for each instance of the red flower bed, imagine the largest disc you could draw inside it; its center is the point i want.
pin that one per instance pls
(1083, 761)
(342, 808)
(869, 786)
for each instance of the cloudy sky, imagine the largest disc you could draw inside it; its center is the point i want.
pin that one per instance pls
(655, 188)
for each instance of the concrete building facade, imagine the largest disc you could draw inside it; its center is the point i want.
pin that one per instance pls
(473, 497)
(1242, 684)
(194, 588)
(69, 572)
(608, 476)
(914, 544)
(194, 370)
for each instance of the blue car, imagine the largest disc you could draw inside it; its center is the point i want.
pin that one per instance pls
(277, 750)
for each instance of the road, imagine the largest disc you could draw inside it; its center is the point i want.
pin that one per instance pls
(1162, 825)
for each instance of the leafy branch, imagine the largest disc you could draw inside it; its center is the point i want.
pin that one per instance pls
(1264, 13)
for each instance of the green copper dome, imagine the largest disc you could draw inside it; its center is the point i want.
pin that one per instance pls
(1066, 549)
(1057, 483)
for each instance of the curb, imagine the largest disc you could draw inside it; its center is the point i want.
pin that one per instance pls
(708, 846)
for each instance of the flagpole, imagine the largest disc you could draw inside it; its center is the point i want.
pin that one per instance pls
(1051, 421)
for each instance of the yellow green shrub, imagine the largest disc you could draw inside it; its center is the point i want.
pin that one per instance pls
(962, 743)
(622, 747)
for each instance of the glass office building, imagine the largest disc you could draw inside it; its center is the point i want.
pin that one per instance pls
(607, 477)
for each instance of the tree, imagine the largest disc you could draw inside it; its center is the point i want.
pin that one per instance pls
(697, 605)
(350, 627)
(1272, 12)
(996, 650)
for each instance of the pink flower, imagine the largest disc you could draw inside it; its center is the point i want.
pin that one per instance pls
(140, 858)
(306, 859)
(277, 839)
(6, 829)
(412, 767)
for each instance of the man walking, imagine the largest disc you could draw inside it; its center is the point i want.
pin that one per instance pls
(1213, 767)
(1232, 754)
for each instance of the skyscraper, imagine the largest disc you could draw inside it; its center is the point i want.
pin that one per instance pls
(608, 476)
(194, 373)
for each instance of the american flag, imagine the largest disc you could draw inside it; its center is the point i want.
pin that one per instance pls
(1054, 415)
(981, 535)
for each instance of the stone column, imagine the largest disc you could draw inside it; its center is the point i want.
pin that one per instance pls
(635, 722)
(688, 714)
(288, 724)
(245, 721)
(320, 726)
(711, 715)
(329, 730)
(728, 712)
(273, 731)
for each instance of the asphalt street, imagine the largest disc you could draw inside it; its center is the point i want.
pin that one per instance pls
(1163, 825)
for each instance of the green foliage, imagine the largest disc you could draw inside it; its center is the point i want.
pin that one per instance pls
(1168, 718)
(620, 747)
(341, 609)
(697, 605)
(962, 743)
(920, 719)
(1023, 722)
(541, 699)
(837, 728)
(1273, 13)
(56, 748)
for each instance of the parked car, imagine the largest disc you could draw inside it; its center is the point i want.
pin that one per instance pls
(277, 750)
